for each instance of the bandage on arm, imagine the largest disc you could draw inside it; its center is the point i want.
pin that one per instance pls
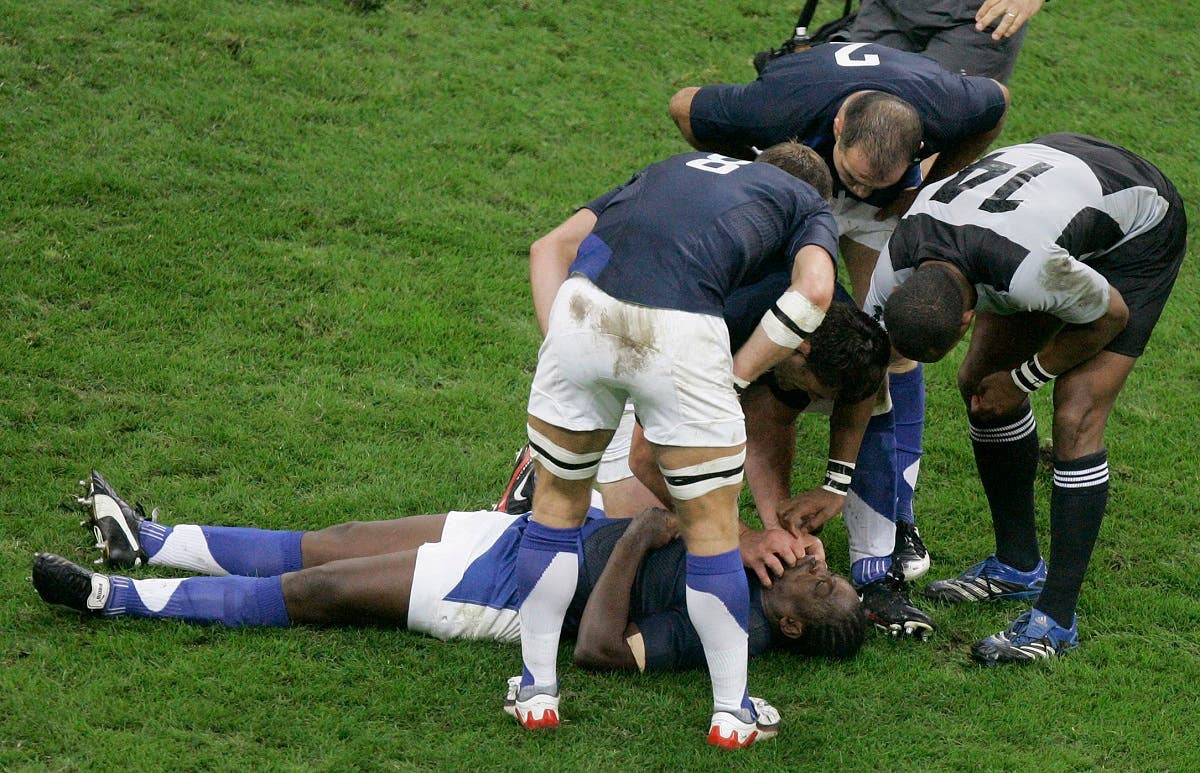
(803, 305)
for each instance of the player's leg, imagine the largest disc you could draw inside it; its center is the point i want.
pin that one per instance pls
(876, 22)
(573, 410)
(693, 421)
(906, 386)
(230, 600)
(863, 238)
(1083, 401)
(547, 568)
(704, 484)
(960, 48)
(1006, 456)
(372, 590)
(871, 530)
(249, 552)
(128, 538)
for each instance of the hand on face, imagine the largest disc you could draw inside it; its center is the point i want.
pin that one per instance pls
(770, 552)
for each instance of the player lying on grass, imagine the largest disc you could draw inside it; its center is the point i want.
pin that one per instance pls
(447, 575)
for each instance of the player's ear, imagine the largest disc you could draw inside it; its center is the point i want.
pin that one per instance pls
(804, 348)
(791, 627)
(967, 318)
(838, 123)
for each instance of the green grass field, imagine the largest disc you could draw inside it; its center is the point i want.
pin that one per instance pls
(265, 264)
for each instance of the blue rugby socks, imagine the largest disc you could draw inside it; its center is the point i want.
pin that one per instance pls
(547, 572)
(908, 403)
(718, 603)
(230, 601)
(220, 550)
(870, 506)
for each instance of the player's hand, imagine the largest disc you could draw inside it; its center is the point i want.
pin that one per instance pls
(996, 396)
(654, 527)
(808, 511)
(770, 551)
(1008, 15)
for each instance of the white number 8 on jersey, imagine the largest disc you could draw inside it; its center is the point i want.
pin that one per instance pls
(716, 163)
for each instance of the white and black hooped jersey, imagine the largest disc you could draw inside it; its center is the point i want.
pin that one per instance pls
(1023, 222)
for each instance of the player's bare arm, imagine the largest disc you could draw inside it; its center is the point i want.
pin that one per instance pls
(809, 510)
(551, 256)
(607, 640)
(998, 393)
(802, 307)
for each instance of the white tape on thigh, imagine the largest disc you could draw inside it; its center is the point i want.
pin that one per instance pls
(792, 319)
(699, 479)
(562, 463)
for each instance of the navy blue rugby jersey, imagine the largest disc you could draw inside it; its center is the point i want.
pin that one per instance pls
(686, 232)
(798, 95)
(658, 601)
(1029, 226)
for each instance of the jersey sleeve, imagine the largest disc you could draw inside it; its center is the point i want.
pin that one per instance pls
(816, 226)
(1058, 284)
(671, 641)
(598, 204)
(884, 280)
(760, 113)
(973, 105)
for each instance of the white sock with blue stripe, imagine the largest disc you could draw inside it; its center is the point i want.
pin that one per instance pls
(718, 603)
(220, 550)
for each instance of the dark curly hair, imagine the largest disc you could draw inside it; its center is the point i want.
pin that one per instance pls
(849, 352)
(838, 633)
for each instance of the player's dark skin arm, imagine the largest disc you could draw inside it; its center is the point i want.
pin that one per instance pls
(606, 636)
(998, 396)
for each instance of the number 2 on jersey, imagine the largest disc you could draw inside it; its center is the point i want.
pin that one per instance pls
(989, 169)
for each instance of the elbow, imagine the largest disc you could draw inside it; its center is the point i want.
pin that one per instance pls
(680, 109)
(604, 655)
(593, 658)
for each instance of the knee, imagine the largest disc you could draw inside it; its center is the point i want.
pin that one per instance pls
(312, 595)
(342, 532)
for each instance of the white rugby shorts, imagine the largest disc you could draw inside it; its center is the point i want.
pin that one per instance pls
(440, 567)
(614, 465)
(674, 365)
(856, 221)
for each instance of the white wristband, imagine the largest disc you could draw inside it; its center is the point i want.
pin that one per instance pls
(838, 476)
(1030, 376)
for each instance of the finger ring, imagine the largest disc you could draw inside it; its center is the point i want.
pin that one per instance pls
(1010, 13)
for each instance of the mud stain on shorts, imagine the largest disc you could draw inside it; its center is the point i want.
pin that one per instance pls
(635, 336)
